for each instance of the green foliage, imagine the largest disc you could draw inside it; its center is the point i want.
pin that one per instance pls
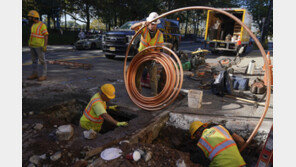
(259, 10)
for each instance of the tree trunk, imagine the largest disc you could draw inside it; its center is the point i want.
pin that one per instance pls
(48, 21)
(186, 24)
(65, 21)
(87, 17)
(265, 29)
(54, 22)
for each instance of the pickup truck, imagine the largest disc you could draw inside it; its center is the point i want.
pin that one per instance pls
(115, 42)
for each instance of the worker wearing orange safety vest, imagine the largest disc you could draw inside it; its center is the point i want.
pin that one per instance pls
(150, 36)
(95, 112)
(216, 146)
(38, 45)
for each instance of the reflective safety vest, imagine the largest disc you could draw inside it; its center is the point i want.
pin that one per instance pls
(90, 114)
(146, 40)
(38, 31)
(219, 147)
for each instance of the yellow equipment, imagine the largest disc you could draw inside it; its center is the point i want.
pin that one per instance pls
(194, 126)
(33, 13)
(108, 90)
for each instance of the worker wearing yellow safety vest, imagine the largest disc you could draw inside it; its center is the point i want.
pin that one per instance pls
(38, 44)
(95, 112)
(150, 36)
(216, 146)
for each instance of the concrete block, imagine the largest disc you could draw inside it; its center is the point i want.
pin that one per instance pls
(35, 159)
(91, 134)
(195, 98)
(38, 126)
(65, 132)
(56, 156)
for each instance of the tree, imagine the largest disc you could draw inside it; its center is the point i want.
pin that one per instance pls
(262, 11)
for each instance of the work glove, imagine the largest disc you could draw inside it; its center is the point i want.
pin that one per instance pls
(122, 124)
(114, 108)
(44, 48)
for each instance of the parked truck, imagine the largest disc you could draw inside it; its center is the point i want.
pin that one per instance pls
(115, 42)
(224, 34)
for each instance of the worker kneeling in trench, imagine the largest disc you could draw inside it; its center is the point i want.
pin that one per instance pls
(215, 144)
(95, 112)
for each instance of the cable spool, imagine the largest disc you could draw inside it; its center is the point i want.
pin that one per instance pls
(174, 78)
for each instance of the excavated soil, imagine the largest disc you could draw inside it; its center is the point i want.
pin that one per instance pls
(162, 156)
(44, 141)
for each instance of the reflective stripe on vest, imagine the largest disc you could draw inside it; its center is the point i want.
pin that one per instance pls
(35, 33)
(220, 147)
(87, 110)
(144, 38)
(213, 151)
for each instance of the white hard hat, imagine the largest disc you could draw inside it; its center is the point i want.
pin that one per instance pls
(152, 16)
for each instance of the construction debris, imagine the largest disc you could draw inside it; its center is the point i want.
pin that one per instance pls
(65, 132)
(38, 126)
(56, 156)
(71, 64)
(91, 134)
(35, 159)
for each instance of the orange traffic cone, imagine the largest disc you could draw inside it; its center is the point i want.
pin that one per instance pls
(270, 66)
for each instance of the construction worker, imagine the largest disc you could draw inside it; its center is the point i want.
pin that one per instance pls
(216, 146)
(38, 45)
(150, 36)
(95, 112)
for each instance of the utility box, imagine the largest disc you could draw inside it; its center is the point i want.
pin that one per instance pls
(195, 98)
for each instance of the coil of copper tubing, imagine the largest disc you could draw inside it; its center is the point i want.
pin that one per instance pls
(174, 76)
(145, 102)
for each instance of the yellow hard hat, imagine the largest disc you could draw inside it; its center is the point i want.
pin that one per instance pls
(108, 90)
(194, 126)
(33, 13)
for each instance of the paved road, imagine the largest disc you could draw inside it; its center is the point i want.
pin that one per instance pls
(104, 70)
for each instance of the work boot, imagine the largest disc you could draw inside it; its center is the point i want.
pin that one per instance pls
(33, 76)
(42, 78)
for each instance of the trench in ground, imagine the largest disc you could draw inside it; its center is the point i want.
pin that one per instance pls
(46, 142)
(71, 112)
(179, 139)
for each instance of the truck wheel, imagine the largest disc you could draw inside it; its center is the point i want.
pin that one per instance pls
(109, 56)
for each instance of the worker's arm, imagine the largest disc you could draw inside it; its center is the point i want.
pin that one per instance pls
(45, 33)
(238, 139)
(100, 111)
(137, 26)
(108, 118)
(45, 43)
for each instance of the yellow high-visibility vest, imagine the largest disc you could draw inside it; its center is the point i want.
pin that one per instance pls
(38, 31)
(89, 119)
(146, 40)
(220, 148)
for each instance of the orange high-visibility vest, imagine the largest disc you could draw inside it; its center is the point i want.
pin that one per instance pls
(38, 31)
(146, 40)
(219, 147)
(90, 114)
